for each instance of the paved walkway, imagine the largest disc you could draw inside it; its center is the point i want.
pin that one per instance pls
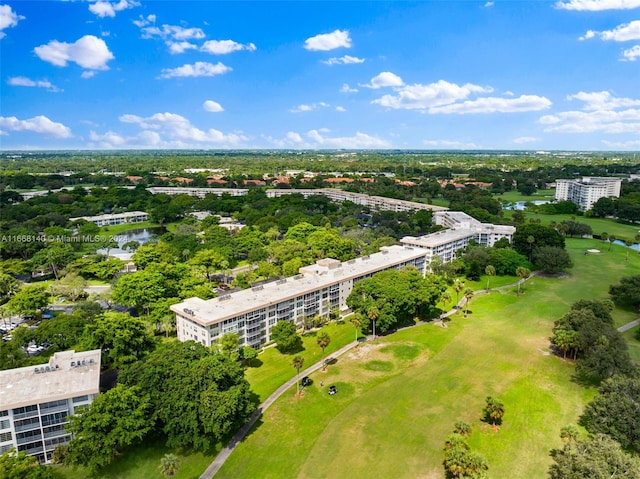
(628, 326)
(222, 456)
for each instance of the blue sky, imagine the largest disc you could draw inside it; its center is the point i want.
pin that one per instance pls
(125, 74)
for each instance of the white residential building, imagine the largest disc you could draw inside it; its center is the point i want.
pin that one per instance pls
(195, 191)
(36, 401)
(462, 228)
(373, 202)
(115, 219)
(588, 190)
(318, 289)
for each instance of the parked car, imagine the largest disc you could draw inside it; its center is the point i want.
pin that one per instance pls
(306, 381)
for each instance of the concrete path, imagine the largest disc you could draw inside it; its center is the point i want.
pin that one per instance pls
(628, 326)
(222, 456)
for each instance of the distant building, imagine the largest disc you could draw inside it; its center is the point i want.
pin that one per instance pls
(588, 190)
(194, 191)
(36, 401)
(462, 228)
(115, 219)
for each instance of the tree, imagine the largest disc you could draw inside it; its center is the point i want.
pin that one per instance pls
(463, 428)
(28, 300)
(489, 271)
(604, 236)
(627, 293)
(542, 236)
(248, 354)
(17, 465)
(297, 362)
(522, 273)
(169, 465)
(71, 286)
(468, 294)
(356, 321)
(493, 411)
(115, 420)
(229, 345)
(286, 337)
(551, 259)
(458, 287)
(597, 457)
(566, 340)
(140, 289)
(11, 355)
(122, 338)
(8, 286)
(56, 257)
(211, 260)
(198, 396)
(569, 433)
(612, 239)
(615, 411)
(323, 341)
(460, 462)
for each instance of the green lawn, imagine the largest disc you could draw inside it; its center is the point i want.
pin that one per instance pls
(514, 196)
(117, 229)
(399, 397)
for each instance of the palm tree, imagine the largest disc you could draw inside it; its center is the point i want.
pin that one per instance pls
(522, 273)
(323, 341)
(297, 362)
(356, 320)
(530, 240)
(468, 294)
(458, 286)
(612, 238)
(169, 465)
(628, 244)
(373, 313)
(604, 236)
(445, 298)
(490, 271)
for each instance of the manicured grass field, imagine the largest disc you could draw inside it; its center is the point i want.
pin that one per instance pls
(514, 196)
(399, 397)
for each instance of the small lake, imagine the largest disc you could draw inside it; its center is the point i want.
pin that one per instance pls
(634, 246)
(142, 236)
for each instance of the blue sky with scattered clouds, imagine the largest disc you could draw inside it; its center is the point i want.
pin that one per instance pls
(126, 74)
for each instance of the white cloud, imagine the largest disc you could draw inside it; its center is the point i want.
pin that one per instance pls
(622, 33)
(489, 4)
(495, 105)
(359, 140)
(198, 69)
(176, 130)
(24, 81)
(8, 18)
(343, 60)
(623, 145)
(341, 108)
(222, 47)
(180, 47)
(631, 54)
(173, 32)
(451, 144)
(598, 5)
(309, 107)
(347, 89)
(38, 124)
(212, 106)
(103, 9)
(144, 21)
(384, 79)
(525, 139)
(89, 52)
(424, 97)
(601, 112)
(329, 41)
(602, 100)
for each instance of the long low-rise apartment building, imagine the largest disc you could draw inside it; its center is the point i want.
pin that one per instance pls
(36, 401)
(373, 202)
(317, 289)
(195, 191)
(115, 218)
(461, 229)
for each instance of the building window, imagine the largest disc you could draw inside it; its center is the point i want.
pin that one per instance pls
(80, 398)
(5, 436)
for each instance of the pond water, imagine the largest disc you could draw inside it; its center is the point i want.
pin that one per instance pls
(520, 205)
(634, 246)
(142, 236)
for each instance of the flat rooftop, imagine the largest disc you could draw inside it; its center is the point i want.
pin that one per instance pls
(67, 374)
(322, 274)
(439, 238)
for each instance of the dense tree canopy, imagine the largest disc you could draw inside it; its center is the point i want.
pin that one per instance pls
(394, 298)
(627, 293)
(198, 396)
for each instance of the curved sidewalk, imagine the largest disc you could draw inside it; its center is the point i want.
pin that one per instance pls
(226, 451)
